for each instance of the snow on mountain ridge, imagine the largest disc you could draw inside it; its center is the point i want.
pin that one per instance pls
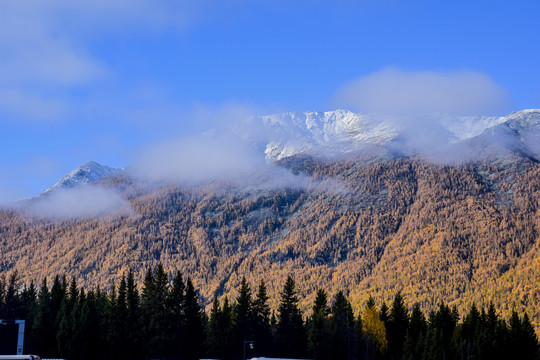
(341, 131)
(292, 133)
(84, 174)
(333, 133)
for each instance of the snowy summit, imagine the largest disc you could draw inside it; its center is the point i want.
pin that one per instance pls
(84, 174)
(341, 131)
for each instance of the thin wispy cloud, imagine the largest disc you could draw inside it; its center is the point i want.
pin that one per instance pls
(399, 92)
(47, 49)
(86, 201)
(212, 156)
(29, 105)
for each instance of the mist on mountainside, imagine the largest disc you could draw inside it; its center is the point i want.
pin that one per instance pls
(254, 153)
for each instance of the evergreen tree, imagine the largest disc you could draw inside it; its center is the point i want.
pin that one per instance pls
(243, 316)
(398, 323)
(12, 305)
(194, 323)
(2, 294)
(58, 293)
(318, 328)
(290, 326)
(469, 332)
(160, 314)
(522, 338)
(220, 330)
(383, 314)
(64, 336)
(73, 293)
(531, 347)
(79, 329)
(103, 325)
(44, 337)
(66, 319)
(92, 346)
(487, 336)
(134, 321)
(154, 308)
(359, 335)
(261, 312)
(343, 342)
(213, 339)
(440, 333)
(117, 314)
(175, 304)
(29, 312)
(416, 332)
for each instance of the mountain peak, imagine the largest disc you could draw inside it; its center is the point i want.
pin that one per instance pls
(88, 172)
(330, 132)
(342, 131)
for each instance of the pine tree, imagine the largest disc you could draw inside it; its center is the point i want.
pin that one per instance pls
(13, 305)
(194, 322)
(243, 316)
(342, 328)
(154, 309)
(213, 339)
(531, 347)
(2, 294)
(58, 293)
(175, 305)
(134, 321)
(220, 330)
(290, 326)
(118, 315)
(92, 346)
(440, 333)
(160, 314)
(29, 312)
(79, 325)
(522, 338)
(318, 328)
(416, 332)
(383, 314)
(64, 336)
(398, 323)
(469, 333)
(261, 312)
(44, 337)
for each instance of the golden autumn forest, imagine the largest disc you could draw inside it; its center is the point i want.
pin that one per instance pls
(460, 233)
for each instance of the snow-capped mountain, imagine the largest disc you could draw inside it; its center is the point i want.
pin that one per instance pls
(84, 174)
(330, 132)
(341, 131)
(518, 132)
(440, 138)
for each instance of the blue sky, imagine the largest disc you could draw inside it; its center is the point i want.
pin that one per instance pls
(105, 81)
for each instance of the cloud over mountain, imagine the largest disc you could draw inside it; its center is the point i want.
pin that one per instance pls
(85, 201)
(395, 91)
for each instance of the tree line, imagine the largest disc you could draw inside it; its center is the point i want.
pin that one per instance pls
(165, 320)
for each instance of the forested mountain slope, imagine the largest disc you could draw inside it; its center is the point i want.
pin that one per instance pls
(461, 233)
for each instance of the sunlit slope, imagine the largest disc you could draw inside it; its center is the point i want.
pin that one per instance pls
(458, 233)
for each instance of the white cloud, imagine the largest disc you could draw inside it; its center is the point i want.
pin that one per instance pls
(45, 46)
(85, 201)
(208, 157)
(394, 91)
